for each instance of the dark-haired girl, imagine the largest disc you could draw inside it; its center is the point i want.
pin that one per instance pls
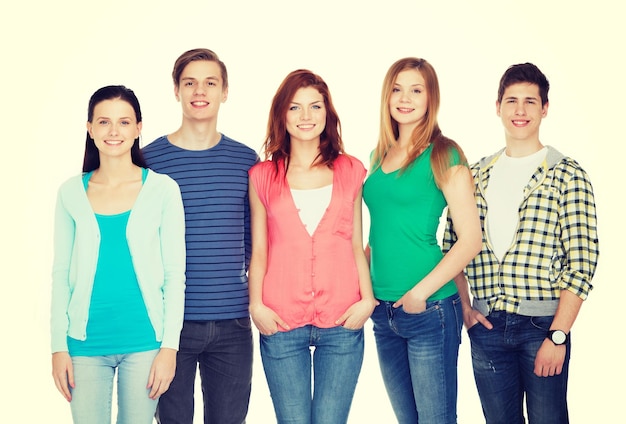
(118, 277)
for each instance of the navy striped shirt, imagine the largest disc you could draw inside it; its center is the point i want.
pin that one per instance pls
(214, 187)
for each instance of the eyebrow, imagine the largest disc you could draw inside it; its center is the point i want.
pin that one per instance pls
(106, 117)
(312, 103)
(412, 85)
(525, 98)
(194, 79)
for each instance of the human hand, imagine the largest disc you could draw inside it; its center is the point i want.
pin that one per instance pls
(411, 303)
(549, 359)
(357, 314)
(266, 320)
(63, 373)
(471, 317)
(162, 372)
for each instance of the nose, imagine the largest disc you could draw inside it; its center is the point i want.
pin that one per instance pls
(520, 109)
(306, 114)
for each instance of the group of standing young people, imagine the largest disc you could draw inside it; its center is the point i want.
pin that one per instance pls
(163, 254)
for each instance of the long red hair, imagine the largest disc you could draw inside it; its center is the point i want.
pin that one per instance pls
(277, 144)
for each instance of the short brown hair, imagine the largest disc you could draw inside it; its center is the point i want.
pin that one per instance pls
(198, 54)
(524, 73)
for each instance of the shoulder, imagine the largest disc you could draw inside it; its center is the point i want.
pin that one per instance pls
(450, 148)
(238, 146)
(72, 184)
(155, 145)
(347, 163)
(265, 179)
(157, 178)
(161, 185)
(486, 161)
(262, 169)
(568, 169)
(350, 160)
(350, 170)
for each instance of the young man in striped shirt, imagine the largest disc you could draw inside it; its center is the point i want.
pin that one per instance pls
(538, 258)
(212, 173)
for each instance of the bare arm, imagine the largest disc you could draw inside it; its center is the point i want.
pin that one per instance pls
(470, 315)
(459, 193)
(265, 319)
(162, 372)
(356, 316)
(550, 358)
(63, 373)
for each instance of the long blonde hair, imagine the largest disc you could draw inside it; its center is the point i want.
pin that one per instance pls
(425, 133)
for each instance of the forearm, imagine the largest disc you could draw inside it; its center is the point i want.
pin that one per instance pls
(256, 275)
(450, 266)
(463, 288)
(365, 282)
(566, 312)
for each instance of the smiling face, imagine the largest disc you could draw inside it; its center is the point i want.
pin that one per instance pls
(408, 102)
(306, 116)
(200, 90)
(114, 128)
(521, 113)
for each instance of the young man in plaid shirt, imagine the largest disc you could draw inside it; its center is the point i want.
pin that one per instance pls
(539, 255)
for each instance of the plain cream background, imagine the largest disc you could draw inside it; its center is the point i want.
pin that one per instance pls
(56, 54)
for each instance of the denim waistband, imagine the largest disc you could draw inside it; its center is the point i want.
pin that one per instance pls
(533, 308)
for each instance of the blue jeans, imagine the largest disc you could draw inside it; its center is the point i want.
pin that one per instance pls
(418, 359)
(223, 350)
(336, 361)
(503, 360)
(93, 392)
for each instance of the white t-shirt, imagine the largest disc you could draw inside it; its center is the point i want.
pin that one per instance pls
(312, 205)
(505, 192)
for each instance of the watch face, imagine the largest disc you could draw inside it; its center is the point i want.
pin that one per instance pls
(559, 337)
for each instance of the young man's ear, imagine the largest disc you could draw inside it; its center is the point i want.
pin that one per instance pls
(544, 110)
(176, 93)
(224, 95)
(497, 107)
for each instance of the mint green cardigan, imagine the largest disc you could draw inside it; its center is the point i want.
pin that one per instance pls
(156, 238)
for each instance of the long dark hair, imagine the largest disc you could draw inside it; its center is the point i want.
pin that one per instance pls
(91, 160)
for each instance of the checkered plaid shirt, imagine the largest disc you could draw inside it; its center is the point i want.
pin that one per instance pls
(555, 245)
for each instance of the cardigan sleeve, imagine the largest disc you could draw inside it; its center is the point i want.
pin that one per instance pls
(64, 230)
(174, 259)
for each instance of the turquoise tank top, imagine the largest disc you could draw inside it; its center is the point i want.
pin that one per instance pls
(118, 319)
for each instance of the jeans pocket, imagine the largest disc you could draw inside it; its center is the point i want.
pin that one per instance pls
(542, 323)
(352, 330)
(474, 327)
(426, 311)
(244, 323)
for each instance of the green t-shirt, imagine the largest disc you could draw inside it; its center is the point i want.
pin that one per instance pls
(405, 208)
